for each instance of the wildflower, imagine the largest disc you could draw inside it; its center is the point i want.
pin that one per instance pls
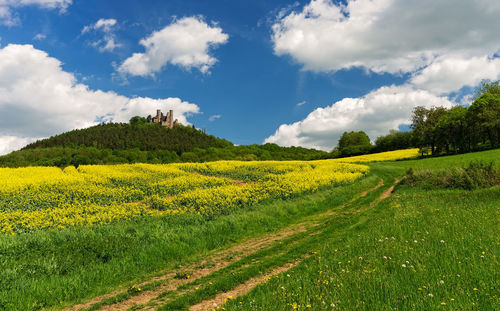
(403, 265)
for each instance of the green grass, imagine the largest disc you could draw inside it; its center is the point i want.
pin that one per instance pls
(418, 250)
(54, 268)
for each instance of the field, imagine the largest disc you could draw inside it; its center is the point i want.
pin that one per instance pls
(317, 235)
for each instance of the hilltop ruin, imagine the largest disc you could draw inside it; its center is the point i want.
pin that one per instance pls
(164, 120)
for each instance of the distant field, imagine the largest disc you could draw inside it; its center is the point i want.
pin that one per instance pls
(337, 235)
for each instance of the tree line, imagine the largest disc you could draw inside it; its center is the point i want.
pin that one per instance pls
(438, 130)
(435, 131)
(143, 142)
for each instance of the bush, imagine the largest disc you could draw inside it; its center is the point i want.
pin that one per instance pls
(477, 174)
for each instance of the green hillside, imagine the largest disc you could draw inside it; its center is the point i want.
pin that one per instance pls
(146, 137)
(139, 142)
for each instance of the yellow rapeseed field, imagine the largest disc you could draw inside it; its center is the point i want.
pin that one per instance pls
(36, 198)
(382, 156)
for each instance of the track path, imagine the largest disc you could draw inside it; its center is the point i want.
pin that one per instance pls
(231, 272)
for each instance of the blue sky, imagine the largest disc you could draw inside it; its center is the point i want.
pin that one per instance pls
(288, 72)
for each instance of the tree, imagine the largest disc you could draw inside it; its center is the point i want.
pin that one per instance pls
(137, 120)
(453, 127)
(393, 141)
(487, 87)
(354, 143)
(425, 127)
(484, 113)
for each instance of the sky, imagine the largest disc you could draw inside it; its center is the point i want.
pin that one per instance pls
(294, 73)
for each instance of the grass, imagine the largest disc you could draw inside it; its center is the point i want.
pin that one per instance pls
(419, 250)
(52, 268)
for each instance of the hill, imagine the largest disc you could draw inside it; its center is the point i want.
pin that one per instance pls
(116, 143)
(146, 137)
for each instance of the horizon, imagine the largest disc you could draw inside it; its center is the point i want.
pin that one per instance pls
(294, 73)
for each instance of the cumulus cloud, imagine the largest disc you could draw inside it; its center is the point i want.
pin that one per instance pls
(107, 27)
(389, 107)
(9, 18)
(186, 42)
(444, 46)
(9, 143)
(394, 36)
(375, 113)
(39, 99)
(451, 72)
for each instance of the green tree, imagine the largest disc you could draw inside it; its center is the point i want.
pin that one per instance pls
(453, 127)
(354, 143)
(137, 120)
(425, 127)
(484, 113)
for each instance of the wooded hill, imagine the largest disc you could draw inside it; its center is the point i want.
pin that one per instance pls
(142, 142)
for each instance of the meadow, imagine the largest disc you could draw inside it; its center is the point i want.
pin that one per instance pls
(134, 230)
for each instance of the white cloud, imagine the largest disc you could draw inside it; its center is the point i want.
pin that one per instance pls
(450, 73)
(388, 107)
(9, 18)
(214, 117)
(103, 24)
(9, 143)
(186, 43)
(445, 45)
(386, 35)
(375, 113)
(107, 27)
(39, 36)
(39, 99)
(302, 103)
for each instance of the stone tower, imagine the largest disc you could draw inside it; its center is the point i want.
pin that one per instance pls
(167, 121)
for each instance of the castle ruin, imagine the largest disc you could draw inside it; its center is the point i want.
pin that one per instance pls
(164, 120)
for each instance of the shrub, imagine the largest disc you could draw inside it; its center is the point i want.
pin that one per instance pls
(477, 174)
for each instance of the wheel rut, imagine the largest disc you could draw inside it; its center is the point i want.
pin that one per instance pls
(168, 283)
